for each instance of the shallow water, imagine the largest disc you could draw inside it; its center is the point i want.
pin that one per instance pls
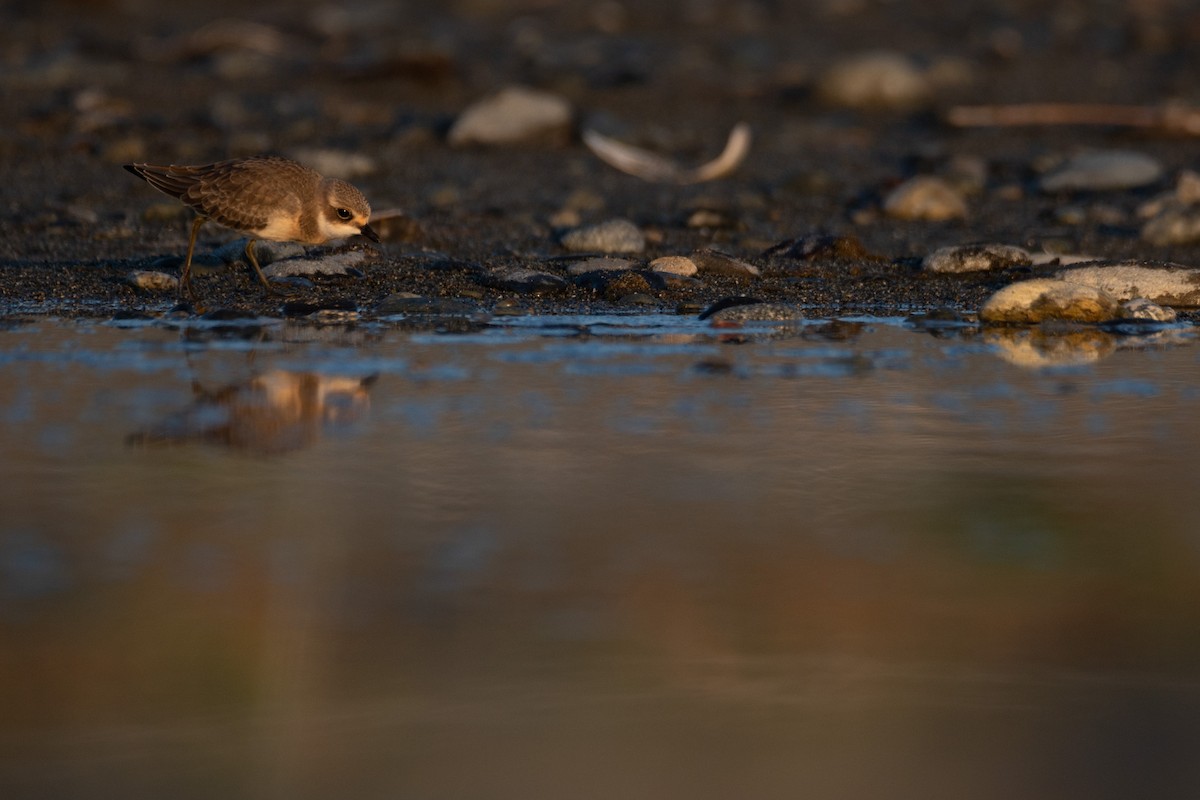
(597, 557)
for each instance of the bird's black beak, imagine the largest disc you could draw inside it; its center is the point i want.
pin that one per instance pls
(368, 232)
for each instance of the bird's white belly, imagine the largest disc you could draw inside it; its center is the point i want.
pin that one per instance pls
(281, 228)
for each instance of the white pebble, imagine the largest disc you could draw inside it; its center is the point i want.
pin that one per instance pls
(1103, 170)
(611, 236)
(516, 114)
(880, 79)
(925, 198)
(674, 265)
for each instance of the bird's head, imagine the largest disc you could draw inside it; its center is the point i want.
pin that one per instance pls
(346, 212)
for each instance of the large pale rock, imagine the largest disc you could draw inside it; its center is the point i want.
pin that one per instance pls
(976, 258)
(1043, 299)
(1165, 284)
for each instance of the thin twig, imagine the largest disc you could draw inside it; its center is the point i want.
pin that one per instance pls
(1170, 118)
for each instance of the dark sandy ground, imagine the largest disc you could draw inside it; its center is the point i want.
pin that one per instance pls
(87, 86)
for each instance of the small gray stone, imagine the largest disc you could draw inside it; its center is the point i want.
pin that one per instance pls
(714, 262)
(610, 236)
(265, 251)
(1103, 170)
(600, 265)
(1043, 299)
(674, 265)
(880, 79)
(347, 262)
(523, 281)
(1165, 284)
(516, 114)
(925, 198)
(976, 258)
(152, 281)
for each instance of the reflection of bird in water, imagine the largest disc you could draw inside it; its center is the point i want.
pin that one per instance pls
(265, 197)
(276, 412)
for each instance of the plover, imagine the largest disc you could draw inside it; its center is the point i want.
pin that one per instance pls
(264, 197)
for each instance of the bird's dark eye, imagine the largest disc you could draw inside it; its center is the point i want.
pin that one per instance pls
(343, 213)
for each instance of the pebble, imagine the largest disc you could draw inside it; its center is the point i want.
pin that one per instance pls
(1140, 309)
(1103, 170)
(600, 265)
(675, 265)
(875, 80)
(1175, 224)
(729, 302)
(1187, 188)
(265, 251)
(757, 312)
(1042, 299)
(926, 198)
(344, 164)
(1174, 218)
(711, 218)
(1165, 284)
(1174, 227)
(624, 284)
(714, 262)
(976, 258)
(292, 282)
(514, 115)
(347, 262)
(523, 280)
(152, 281)
(610, 236)
(1070, 215)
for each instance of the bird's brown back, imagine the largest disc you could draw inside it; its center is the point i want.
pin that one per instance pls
(242, 194)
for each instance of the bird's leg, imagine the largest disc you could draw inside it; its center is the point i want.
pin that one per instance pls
(257, 269)
(185, 277)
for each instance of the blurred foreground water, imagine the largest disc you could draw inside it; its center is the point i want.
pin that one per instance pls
(597, 557)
